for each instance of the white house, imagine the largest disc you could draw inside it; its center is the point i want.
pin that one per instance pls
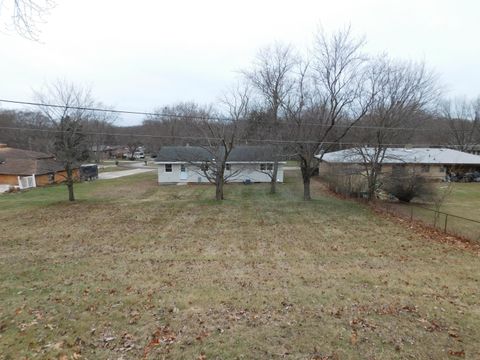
(187, 164)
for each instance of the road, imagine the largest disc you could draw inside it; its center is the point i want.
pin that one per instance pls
(122, 173)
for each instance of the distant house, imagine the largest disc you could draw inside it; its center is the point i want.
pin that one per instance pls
(475, 149)
(104, 152)
(24, 168)
(432, 163)
(187, 164)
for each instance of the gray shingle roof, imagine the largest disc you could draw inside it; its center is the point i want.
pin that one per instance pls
(200, 154)
(408, 156)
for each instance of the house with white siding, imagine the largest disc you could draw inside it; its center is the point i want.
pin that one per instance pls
(189, 164)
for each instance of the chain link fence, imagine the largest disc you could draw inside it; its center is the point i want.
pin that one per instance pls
(446, 222)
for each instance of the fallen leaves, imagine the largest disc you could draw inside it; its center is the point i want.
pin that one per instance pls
(127, 342)
(162, 336)
(459, 353)
(431, 325)
(354, 337)
(203, 334)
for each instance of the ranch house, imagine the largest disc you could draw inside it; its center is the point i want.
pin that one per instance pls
(188, 164)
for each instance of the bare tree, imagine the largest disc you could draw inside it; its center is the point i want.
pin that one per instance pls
(26, 130)
(173, 125)
(68, 117)
(463, 118)
(331, 95)
(406, 184)
(440, 195)
(221, 135)
(97, 127)
(403, 91)
(26, 15)
(133, 145)
(271, 77)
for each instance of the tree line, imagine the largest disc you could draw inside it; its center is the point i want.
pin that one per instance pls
(300, 104)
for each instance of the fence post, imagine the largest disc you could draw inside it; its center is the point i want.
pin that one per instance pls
(445, 227)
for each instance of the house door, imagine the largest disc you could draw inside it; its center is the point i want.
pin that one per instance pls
(183, 172)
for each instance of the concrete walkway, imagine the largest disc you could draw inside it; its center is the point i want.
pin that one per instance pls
(121, 173)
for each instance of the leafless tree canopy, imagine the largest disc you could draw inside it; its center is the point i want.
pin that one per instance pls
(272, 78)
(26, 15)
(69, 146)
(221, 136)
(463, 119)
(403, 92)
(300, 104)
(175, 125)
(331, 89)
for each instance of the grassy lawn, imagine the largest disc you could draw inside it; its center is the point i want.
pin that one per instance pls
(463, 201)
(133, 270)
(292, 163)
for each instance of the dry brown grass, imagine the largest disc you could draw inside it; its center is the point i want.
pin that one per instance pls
(135, 271)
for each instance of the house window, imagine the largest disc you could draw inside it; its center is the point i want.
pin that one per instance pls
(228, 167)
(268, 166)
(51, 178)
(425, 168)
(168, 167)
(204, 167)
(442, 169)
(183, 168)
(398, 170)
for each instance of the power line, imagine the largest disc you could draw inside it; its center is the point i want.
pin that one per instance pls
(241, 140)
(128, 112)
(216, 118)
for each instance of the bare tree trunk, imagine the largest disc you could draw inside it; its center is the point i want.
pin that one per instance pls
(372, 185)
(306, 189)
(219, 190)
(71, 195)
(306, 175)
(273, 180)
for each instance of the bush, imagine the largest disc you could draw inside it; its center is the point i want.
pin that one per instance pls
(405, 187)
(344, 181)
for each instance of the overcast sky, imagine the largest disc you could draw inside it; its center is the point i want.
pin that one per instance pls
(141, 55)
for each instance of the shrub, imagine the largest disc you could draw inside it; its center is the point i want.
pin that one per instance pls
(345, 181)
(406, 187)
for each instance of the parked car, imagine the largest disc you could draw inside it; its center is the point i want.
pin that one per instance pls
(471, 177)
(139, 155)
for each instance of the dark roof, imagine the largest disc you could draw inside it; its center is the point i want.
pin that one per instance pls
(12, 153)
(200, 154)
(106, 147)
(26, 162)
(24, 167)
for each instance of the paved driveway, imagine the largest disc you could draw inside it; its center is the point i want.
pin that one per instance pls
(121, 173)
